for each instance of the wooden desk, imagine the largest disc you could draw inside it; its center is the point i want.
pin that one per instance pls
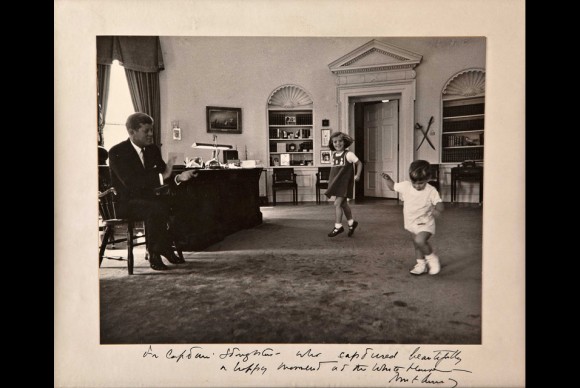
(466, 174)
(213, 205)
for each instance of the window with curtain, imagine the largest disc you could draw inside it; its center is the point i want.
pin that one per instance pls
(119, 107)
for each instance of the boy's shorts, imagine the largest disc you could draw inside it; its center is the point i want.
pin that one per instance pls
(417, 228)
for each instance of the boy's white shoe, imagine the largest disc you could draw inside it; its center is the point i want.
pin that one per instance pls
(419, 268)
(433, 263)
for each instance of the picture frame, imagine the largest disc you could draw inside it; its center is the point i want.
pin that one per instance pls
(290, 120)
(325, 156)
(325, 137)
(223, 120)
(176, 133)
(284, 159)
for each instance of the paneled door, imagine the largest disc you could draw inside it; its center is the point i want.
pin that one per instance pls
(381, 131)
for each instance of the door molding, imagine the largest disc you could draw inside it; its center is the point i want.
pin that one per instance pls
(405, 92)
(373, 70)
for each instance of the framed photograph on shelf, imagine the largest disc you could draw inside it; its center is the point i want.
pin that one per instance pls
(223, 120)
(284, 159)
(290, 120)
(325, 136)
(325, 157)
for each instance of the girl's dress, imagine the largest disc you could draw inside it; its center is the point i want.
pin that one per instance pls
(341, 178)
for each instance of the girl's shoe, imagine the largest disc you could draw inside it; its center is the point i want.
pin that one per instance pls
(352, 228)
(336, 232)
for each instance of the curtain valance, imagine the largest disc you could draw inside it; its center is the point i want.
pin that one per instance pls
(139, 53)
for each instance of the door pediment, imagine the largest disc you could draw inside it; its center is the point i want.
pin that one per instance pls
(375, 56)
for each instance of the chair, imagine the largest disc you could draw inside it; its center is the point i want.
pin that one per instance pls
(108, 213)
(434, 178)
(284, 179)
(321, 181)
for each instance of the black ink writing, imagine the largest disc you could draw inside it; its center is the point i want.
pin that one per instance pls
(349, 356)
(236, 352)
(415, 355)
(427, 380)
(149, 352)
(307, 368)
(370, 352)
(308, 353)
(250, 368)
(381, 368)
(186, 354)
(441, 355)
(360, 368)
(398, 379)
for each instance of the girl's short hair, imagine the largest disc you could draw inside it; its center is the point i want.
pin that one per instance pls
(135, 120)
(347, 140)
(419, 171)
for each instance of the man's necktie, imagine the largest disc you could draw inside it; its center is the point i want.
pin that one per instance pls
(142, 156)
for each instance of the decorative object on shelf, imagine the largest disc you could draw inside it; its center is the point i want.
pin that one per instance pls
(325, 137)
(291, 147)
(175, 130)
(325, 157)
(325, 122)
(425, 133)
(290, 120)
(223, 120)
(215, 147)
(305, 146)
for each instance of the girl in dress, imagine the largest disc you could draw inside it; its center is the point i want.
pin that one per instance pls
(345, 170)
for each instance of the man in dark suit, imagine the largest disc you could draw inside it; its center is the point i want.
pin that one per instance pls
(137, 169)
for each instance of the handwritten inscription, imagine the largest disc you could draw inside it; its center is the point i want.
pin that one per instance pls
(417, 367)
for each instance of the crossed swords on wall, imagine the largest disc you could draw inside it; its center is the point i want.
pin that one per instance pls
(425, 133)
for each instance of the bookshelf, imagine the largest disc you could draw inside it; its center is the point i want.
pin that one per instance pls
(463, 130)
(290, 128)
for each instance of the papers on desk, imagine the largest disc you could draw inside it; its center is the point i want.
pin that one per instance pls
(251, 163)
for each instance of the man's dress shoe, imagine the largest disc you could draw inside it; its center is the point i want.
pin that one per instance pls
(156, 263)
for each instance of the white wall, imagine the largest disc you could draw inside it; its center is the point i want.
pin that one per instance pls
(242, 72)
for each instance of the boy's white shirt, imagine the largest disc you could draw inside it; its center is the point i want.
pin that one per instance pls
(418, 204)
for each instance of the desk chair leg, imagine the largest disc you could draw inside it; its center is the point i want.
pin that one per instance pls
(130, 248)
(274, 197)
(108, 232)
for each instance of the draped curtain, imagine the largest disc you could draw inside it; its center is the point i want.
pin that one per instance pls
(142, 59)
(103, 77)
(144, 88)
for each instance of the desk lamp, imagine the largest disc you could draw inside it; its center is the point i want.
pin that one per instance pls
(215, 147)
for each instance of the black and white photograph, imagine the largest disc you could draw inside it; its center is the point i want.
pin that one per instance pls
(382, 283)
(369, 254)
